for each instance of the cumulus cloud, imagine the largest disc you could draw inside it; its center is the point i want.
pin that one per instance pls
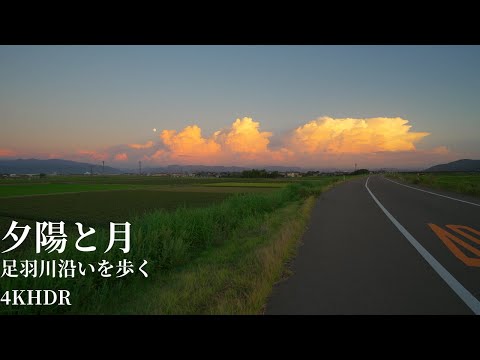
(323, 142)
(121, 157)
(243, 142)
(349, 135)
(244, 136)
(147, 145)
(189, 143)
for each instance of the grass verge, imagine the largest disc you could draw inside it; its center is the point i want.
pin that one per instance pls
(462, 183)
(235, 278)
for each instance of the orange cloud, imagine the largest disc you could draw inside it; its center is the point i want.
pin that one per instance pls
(244, 136)
(121, 157)
(324, 142)
(281, 155)
(158, 155)
(241, 143)
(7, 153)
(147, 145)
(189, 143)
(318, 140)
(349, 135)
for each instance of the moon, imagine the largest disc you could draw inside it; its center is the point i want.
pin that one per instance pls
(154, 129)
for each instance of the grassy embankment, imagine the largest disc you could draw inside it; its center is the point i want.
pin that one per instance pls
(223, 258)
(464, 183)
(99, 200)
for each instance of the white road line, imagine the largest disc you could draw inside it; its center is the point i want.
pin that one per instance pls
(430, 192)
(470, 300)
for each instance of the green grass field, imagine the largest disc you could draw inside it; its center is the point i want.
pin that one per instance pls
(97, 204)
(464, 183)
(48, 188)
(109, 179)
(96, 209)
(249, 184)
(211, 249)
(67, 184)
(139, 180)
(101, 207)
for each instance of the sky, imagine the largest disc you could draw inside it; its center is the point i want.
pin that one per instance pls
(309, 106)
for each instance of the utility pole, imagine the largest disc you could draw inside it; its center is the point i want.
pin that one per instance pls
(103, 167)
(91, 170)
(355, 166)
(139, 168)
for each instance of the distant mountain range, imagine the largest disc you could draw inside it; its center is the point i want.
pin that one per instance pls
(205, 168)
(60, 166)
(459, 165)
(35, 166)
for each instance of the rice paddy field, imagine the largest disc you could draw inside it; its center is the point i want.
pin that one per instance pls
(189, 229)
(95, 201)
(15, 190)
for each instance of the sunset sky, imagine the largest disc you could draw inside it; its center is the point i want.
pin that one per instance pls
(310, 106)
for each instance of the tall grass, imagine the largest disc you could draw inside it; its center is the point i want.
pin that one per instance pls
(235, 278)
(167, 240)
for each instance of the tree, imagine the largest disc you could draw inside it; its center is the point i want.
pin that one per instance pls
(360, 172)
(254, 173)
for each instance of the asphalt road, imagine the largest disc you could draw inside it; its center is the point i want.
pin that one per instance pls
(371, 250)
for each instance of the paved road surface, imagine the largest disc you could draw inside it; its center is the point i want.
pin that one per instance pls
(371, 250)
